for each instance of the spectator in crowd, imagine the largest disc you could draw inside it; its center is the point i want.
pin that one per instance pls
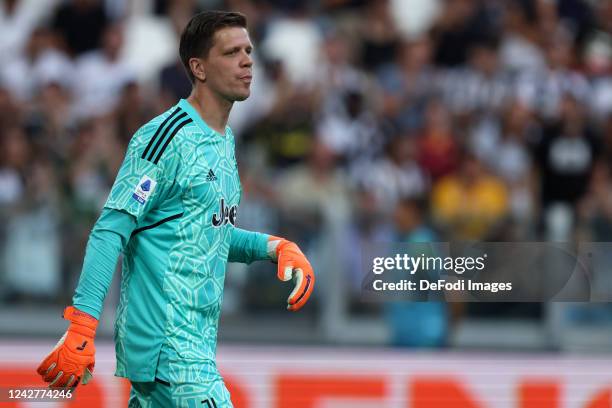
(407, 83)
(173, 82)
(101, 75)
(470, 204)
(418, 323)
(520, 49)
(606, 140)
(18, 18)
(50, 121)
(294, 40)
(543, 89)
(394, 175)
(438, 148)
(80, 24)
(379, 34)
(39, 63)
(460, 25)
(505, 148)
(595, 209)
(286, 131)
(30, 213)
(349, 128)
(132, 109)
(13, 165)
(567, 154)
(316, 192)
(481, 87)
(10, 112)
(594, 226)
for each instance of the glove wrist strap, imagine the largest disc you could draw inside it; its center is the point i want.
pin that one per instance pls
(274, 246)
(80, 322)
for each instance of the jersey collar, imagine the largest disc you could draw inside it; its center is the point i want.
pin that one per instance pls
(195, 116)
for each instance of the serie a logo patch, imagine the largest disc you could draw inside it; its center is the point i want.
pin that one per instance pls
(143, 190)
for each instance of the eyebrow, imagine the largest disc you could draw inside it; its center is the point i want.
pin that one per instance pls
(239, 47)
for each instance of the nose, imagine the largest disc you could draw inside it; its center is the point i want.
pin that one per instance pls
(247, 60)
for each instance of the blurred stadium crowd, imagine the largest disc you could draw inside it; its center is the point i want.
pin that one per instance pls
(398, 120)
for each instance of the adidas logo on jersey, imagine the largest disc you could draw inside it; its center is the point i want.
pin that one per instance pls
(211, 176)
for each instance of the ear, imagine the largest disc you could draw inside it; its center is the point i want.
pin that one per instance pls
(197, 67)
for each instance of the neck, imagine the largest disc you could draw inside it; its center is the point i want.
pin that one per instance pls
(213, 108)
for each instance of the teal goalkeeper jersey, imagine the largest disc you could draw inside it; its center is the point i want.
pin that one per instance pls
(180, 181)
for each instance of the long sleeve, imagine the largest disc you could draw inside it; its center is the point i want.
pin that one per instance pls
(248, 246)
(108, 238)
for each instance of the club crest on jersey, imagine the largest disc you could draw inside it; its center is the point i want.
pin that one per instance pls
(143, 190)
(225, 215)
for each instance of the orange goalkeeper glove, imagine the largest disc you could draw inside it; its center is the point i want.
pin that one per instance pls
(73, 357)
(292, 264)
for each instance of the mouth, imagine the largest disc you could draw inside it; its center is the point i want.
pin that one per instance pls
(246, 78)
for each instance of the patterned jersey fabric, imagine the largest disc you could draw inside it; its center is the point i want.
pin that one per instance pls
(180, 181)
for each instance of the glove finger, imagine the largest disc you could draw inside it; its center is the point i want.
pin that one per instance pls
(300, 283)
(298, 305)
(69, 382)
(45, 368)
(64, 380)
(52, 373)
(49, 361)
(285, 271)
(302, 291)
(301, 301)
(88, 374)
(57, 379)
(294, 308)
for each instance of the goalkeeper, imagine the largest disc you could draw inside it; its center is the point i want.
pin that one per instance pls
(172, 212)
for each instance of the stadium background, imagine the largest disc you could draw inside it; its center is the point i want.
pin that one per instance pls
(392, 120)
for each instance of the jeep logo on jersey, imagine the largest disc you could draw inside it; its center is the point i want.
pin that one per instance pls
(225, 215)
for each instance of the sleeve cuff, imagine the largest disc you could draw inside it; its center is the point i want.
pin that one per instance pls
(89, 310)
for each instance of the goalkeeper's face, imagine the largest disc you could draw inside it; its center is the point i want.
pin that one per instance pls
(229, 66)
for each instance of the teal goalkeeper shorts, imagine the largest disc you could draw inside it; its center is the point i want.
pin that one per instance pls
(190, 395)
